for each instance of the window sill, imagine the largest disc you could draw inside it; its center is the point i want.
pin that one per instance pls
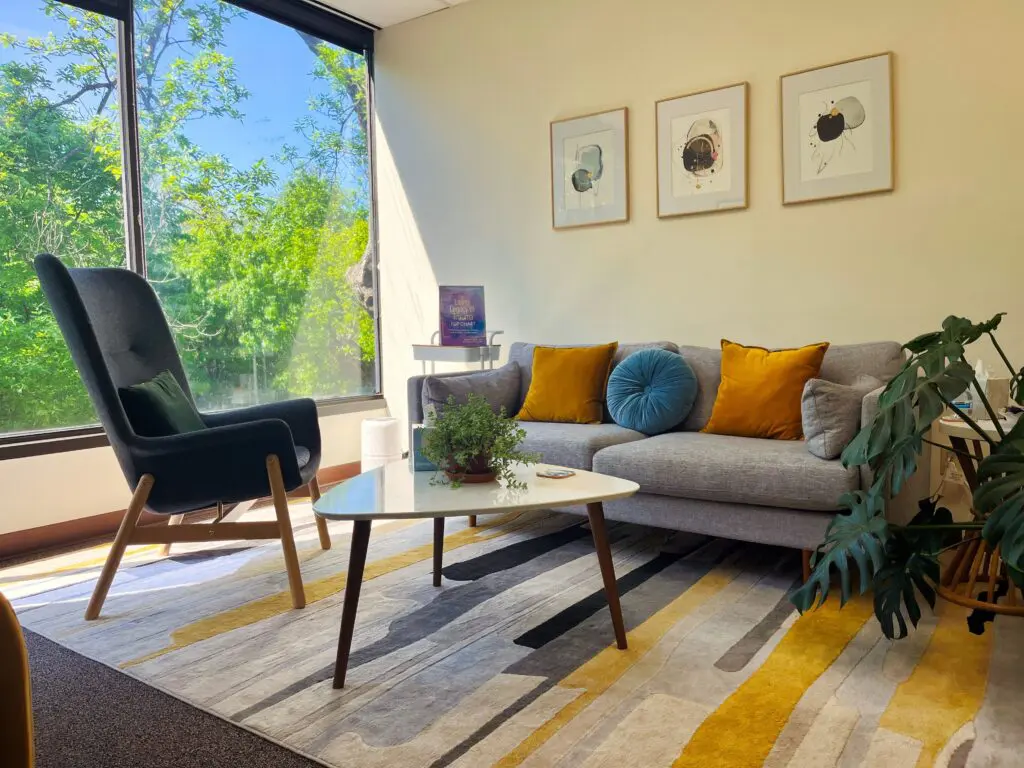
(28, 444)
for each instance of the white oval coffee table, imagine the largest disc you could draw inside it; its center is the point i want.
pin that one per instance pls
(395, 492)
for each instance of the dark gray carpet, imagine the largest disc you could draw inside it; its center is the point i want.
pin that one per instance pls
(90, 716)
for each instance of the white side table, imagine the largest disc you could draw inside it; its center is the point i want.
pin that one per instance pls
(433, 353)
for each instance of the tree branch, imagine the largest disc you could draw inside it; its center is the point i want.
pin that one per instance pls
(79, 93)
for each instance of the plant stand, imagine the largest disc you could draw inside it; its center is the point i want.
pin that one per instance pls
(976, 577)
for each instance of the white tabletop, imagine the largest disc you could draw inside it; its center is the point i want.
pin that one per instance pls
(395, 491)
(953, 426)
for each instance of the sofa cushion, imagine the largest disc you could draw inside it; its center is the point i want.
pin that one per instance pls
(573, 445)
(706, 365)
(842, 364)
(521, 353)
(745, 470)
(760, 391)
(831, 414)
(500, 388)
(568, 384)
(652, 391)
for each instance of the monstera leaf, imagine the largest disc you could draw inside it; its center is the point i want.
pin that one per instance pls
(955, 329)
(1000, 496)
(891, 443)
(901, 563)
(859, 534)
(911, 568)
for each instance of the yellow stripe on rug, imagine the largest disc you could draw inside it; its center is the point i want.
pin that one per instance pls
(742, 731)
(600, 673)
(946, 688)
(272, 605)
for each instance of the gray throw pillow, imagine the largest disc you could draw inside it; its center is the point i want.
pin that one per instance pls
(831, 414)
(500, 388)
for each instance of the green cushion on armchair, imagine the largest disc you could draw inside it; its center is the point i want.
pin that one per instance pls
(160, 407)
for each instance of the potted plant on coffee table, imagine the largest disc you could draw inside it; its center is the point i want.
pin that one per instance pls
(470, 443)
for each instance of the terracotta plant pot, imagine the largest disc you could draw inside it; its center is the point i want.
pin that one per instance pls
(477, 471)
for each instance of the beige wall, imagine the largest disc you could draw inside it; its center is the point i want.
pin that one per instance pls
(464, 101)
(53, 489)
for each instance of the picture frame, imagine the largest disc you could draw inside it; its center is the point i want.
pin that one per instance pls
(702, 142)
(837, 130)
(590, 169)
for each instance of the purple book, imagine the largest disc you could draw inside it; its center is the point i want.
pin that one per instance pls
(463, 321)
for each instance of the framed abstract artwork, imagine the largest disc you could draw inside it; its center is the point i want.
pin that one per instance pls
(702, 151)
(590, 170)
(837, 130)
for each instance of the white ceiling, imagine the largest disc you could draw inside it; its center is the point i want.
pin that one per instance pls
(384, 13)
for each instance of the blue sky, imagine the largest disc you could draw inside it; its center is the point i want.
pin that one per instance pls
(271, 61)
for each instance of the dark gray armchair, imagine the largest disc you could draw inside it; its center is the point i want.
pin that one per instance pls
(118, 336)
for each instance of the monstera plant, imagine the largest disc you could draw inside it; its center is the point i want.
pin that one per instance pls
(900, 563)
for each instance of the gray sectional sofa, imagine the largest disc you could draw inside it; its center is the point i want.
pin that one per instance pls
(767, 491)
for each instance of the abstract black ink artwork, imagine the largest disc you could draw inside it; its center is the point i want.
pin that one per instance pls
(701, 153)
(835, 124)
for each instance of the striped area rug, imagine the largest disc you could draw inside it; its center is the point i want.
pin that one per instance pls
(511, 661)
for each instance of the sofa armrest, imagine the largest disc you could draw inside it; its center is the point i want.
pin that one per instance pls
(901, 508)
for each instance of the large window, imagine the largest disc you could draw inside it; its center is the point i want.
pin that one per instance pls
(253, 158)
(60, 192)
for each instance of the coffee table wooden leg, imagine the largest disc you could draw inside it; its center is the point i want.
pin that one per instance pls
(595, 512)
(438, 549)
(353, 585)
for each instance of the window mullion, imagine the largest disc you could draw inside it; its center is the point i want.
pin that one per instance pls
(131, 181)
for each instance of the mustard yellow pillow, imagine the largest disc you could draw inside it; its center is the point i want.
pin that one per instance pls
(569, 384)
(760, 391)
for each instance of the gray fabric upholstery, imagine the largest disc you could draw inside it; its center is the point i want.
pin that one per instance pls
(500, 388)
(706, 364)
(521, 354)
(745, 522)
(573, 445)
(767, 491)
(744, 470)
(414, 394)
(831, 414)
(844, 362)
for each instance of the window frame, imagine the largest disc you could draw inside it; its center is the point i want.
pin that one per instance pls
(310, 16)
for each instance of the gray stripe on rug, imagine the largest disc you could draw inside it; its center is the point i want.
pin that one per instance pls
(448, 606)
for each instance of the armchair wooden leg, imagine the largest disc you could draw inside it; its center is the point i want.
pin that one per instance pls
(284, 524)
(805, 557)
(472, 521)
(321, 524)
(124, 536)
(165, 551)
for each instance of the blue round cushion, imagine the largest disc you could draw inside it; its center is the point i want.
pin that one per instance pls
(651, 391)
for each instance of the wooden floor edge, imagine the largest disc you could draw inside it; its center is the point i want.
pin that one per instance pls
(69, 533)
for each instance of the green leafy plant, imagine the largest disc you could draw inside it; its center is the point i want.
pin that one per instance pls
(901, 563)
(470, 438)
